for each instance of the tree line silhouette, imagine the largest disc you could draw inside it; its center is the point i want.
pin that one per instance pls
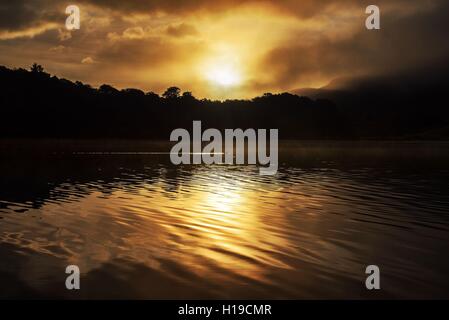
(35, 104)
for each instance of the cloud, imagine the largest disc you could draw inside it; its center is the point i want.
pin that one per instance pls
(303, 8)
(134, 33)
(57, 49)
(181, 30)
(87, 60)
(405, 41)
(167, 6)
(22, 18)
(64, 34)
(28, 32)
(20, 14)
(16, 15)
(278, 45)
(125, 51)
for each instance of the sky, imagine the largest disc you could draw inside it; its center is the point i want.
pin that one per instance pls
(223, 48)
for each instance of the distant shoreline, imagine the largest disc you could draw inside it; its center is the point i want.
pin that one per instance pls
(36, 105)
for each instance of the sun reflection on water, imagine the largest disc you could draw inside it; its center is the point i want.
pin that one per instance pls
(225, 231)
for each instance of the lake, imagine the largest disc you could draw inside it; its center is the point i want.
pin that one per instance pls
(139, 227)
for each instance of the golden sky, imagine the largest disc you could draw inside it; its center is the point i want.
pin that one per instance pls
(222, 48)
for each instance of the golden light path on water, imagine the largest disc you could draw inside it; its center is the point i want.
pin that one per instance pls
(219, 222)
(226, 226)
(151, 230)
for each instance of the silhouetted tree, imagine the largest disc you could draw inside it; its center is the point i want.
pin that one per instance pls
(134, 92)
(37, 68)
(107, 89)
(151, 94)
(188, 99)
(172, 93)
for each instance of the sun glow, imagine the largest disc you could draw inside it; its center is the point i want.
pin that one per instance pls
(222, 69)
(224, 75)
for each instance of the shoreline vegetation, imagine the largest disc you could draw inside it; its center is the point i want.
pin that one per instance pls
(35, 105)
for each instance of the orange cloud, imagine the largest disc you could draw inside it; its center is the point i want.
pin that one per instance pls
(270, 45)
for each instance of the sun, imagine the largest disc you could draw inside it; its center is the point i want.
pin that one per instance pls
(223, 68)
(223, 75)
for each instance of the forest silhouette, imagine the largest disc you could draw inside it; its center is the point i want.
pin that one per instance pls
(35, 104)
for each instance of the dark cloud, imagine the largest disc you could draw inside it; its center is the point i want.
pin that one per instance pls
(300, 8)
(303, 8)
(404, 42)
(21, 14)
(16, 14)
(413, 34)
(171, 6)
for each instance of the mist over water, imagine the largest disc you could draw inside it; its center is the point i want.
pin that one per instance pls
(139, 227)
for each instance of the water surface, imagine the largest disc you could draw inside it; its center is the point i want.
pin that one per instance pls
(139, 227)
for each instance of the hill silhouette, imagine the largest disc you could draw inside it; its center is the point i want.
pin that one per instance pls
(35, 104)
(409, 105)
